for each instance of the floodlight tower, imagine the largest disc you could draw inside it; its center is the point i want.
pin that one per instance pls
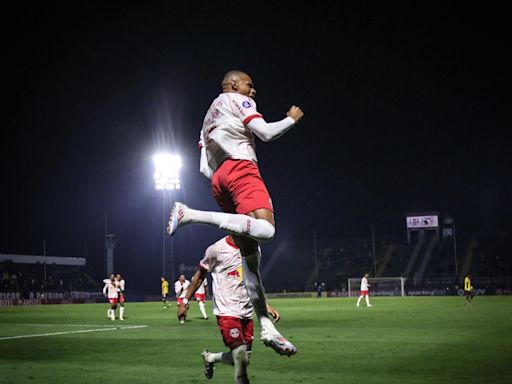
(167, 179)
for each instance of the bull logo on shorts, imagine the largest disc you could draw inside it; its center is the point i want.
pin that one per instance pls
(234, 333)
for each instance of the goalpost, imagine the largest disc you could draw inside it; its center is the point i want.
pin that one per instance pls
(379, 286)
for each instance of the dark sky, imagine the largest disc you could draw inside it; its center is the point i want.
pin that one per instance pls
(404, 112)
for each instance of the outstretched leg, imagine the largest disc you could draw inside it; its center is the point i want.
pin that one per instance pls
(237, 224)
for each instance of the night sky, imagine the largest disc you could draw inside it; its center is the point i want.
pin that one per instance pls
(404, 112)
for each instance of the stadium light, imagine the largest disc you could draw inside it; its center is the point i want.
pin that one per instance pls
(167, 171)
(167, 179)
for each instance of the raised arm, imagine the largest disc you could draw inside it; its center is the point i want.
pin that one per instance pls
(271, 131)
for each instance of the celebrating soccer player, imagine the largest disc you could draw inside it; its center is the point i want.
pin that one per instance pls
(228, 158)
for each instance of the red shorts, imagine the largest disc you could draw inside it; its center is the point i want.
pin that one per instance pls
(179, 300)
(236, 330)
(364, 293)
(112, 300)
(121, 299)
(200, 296)
(238, 187)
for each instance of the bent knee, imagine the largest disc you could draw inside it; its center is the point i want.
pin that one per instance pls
(240, 353)
(266, 230)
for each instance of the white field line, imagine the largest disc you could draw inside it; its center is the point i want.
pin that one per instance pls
(64, 325)
(70, 332)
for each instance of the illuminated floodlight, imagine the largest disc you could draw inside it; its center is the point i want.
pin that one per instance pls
(167, 171)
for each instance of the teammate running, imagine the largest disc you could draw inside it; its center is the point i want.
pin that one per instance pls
(231, 305)
(180, 288)
(200, 295)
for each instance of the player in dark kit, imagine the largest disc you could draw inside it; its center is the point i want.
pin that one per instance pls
(469, 291)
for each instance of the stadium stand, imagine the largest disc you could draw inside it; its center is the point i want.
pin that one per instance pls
(27, 277)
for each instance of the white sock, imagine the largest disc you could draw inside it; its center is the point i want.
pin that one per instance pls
(367, 300)
(243, 225)
(108, 312)
(255, 289)
(121, 312)
(202, 309)
(359, 299)
(240, 361)
(221, 357)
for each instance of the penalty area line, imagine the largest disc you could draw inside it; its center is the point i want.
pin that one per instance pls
(70, 332)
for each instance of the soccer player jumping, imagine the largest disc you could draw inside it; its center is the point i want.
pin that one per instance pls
(228, 157)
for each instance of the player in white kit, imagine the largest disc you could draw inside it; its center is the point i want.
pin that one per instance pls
(180, 288)
(121, 285)
(231, 306)
(364, 291)
(200, 296)
(111, 292)
(228, 158)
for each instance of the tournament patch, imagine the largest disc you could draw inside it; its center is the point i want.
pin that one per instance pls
(246, 104)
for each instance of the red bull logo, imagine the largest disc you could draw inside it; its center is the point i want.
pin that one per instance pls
(234, 273)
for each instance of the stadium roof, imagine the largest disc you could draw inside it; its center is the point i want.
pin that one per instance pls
(34, 259)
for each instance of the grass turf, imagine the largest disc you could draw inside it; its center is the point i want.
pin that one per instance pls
(398, 340)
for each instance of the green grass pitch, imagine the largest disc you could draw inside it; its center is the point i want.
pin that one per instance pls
(398, 340)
